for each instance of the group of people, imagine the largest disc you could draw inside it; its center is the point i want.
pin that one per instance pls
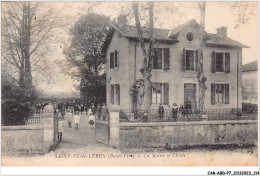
(175, 110)
(81, 107)
(73, 114)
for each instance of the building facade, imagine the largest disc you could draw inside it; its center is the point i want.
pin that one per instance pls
(174, 78)
(250, 82)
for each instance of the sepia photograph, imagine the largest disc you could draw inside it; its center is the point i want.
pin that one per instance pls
(133, 83)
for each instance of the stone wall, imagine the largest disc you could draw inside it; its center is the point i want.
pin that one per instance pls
(31, 139)
(177, 134)
(22, 139)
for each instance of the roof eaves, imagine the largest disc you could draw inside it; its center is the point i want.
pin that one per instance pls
(223, 45)
(160, 40)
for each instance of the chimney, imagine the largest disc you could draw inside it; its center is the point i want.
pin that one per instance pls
(222, 31)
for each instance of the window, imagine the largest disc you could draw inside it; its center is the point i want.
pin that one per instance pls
(190, 36)
(189, 59)
(161, 58)
(157, 93)
(115, 94)
(158, 96)
(157, 60)
(114, 59)
(220, 62)
(219, 97)
(219, 93)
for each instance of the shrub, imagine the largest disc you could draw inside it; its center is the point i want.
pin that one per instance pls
(249, 108)
(17, 104)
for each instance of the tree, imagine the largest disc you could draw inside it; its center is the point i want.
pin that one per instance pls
(146, 68)
(200, 75)
(28, 28)
(85, 61)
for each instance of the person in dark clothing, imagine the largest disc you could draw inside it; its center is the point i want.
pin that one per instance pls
(161, 111)
(98, 111)
(93, 108)
(76, 108)
(188, 107)
(174, 111)
(82, 108)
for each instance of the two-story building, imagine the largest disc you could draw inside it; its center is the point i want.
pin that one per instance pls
(174, 78)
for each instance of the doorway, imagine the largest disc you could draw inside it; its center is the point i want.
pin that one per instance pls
(190, 101)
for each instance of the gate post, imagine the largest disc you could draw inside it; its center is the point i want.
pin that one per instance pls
(48, 127)
(114, 129)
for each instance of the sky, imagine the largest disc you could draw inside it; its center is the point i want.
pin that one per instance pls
(167, 15)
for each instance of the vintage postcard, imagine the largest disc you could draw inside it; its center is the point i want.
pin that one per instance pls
(129, 83)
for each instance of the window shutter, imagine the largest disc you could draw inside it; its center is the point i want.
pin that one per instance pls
(118, 93)
(184, 60)
(166, 93)
(112, 93)
(213, 61)
(116, 58)
(226, 93)
(159, 58)
(196, 59)
(213, 93)
(154, 58)
(227, 62)
(111, 60)
(166, 58)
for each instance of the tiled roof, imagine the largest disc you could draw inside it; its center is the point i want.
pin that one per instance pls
(131, 32)
(251, 66)
(217, 40)
(165, 35)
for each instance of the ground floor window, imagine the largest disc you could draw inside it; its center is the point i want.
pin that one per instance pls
(219, 93)
(157, 93)
(160, 93)
(115, 94)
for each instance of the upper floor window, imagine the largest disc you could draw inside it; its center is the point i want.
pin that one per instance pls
(161, 58)
(114, 59)
(189, 59)
(190, 36)
(220, 62)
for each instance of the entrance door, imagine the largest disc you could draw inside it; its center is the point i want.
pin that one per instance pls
(190, 96)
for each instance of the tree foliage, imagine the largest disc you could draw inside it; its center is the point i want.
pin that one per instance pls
(27, 30)
(85, 61)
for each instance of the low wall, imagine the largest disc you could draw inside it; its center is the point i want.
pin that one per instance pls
(22, 139)
(176, 134)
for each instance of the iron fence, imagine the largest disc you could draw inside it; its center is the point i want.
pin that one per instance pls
(14, 121)
(127, 115)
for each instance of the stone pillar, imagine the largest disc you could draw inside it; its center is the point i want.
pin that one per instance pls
(114, 129)
(48, 127)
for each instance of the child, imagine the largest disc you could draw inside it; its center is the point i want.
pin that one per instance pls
(61, 124)
(91, 119)
(76, 120)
